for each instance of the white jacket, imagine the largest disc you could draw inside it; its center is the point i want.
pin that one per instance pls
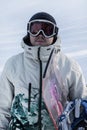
(22, 69)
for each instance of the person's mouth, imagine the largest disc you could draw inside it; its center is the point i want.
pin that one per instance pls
(40, 40)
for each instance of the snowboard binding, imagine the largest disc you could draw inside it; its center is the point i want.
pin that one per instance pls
(74, 116)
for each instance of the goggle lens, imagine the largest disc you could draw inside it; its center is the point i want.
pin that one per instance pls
(35, 27)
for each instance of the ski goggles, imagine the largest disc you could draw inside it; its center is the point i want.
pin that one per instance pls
(47, 28)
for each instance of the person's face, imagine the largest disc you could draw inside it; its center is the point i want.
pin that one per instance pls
(41, 32)
(41, 40)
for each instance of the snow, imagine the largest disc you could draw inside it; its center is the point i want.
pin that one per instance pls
(71, 17)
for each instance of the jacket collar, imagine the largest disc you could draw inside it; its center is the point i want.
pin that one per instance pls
(32, 51)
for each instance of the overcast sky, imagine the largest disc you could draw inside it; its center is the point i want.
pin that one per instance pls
(71, 17)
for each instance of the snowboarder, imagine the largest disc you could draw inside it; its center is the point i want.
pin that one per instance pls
(22, 84)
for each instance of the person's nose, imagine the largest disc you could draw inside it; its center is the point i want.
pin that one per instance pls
(41, 34)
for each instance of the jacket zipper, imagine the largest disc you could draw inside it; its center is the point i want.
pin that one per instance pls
(40, 89)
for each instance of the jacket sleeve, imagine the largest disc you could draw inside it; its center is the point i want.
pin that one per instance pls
(77, 84)
(6, 96)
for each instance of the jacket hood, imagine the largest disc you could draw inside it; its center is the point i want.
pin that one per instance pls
(32, 51)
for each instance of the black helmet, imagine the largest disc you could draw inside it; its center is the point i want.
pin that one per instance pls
(41, 16)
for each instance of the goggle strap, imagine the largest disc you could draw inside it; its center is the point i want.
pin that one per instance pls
(27, 27)
(56, 30)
